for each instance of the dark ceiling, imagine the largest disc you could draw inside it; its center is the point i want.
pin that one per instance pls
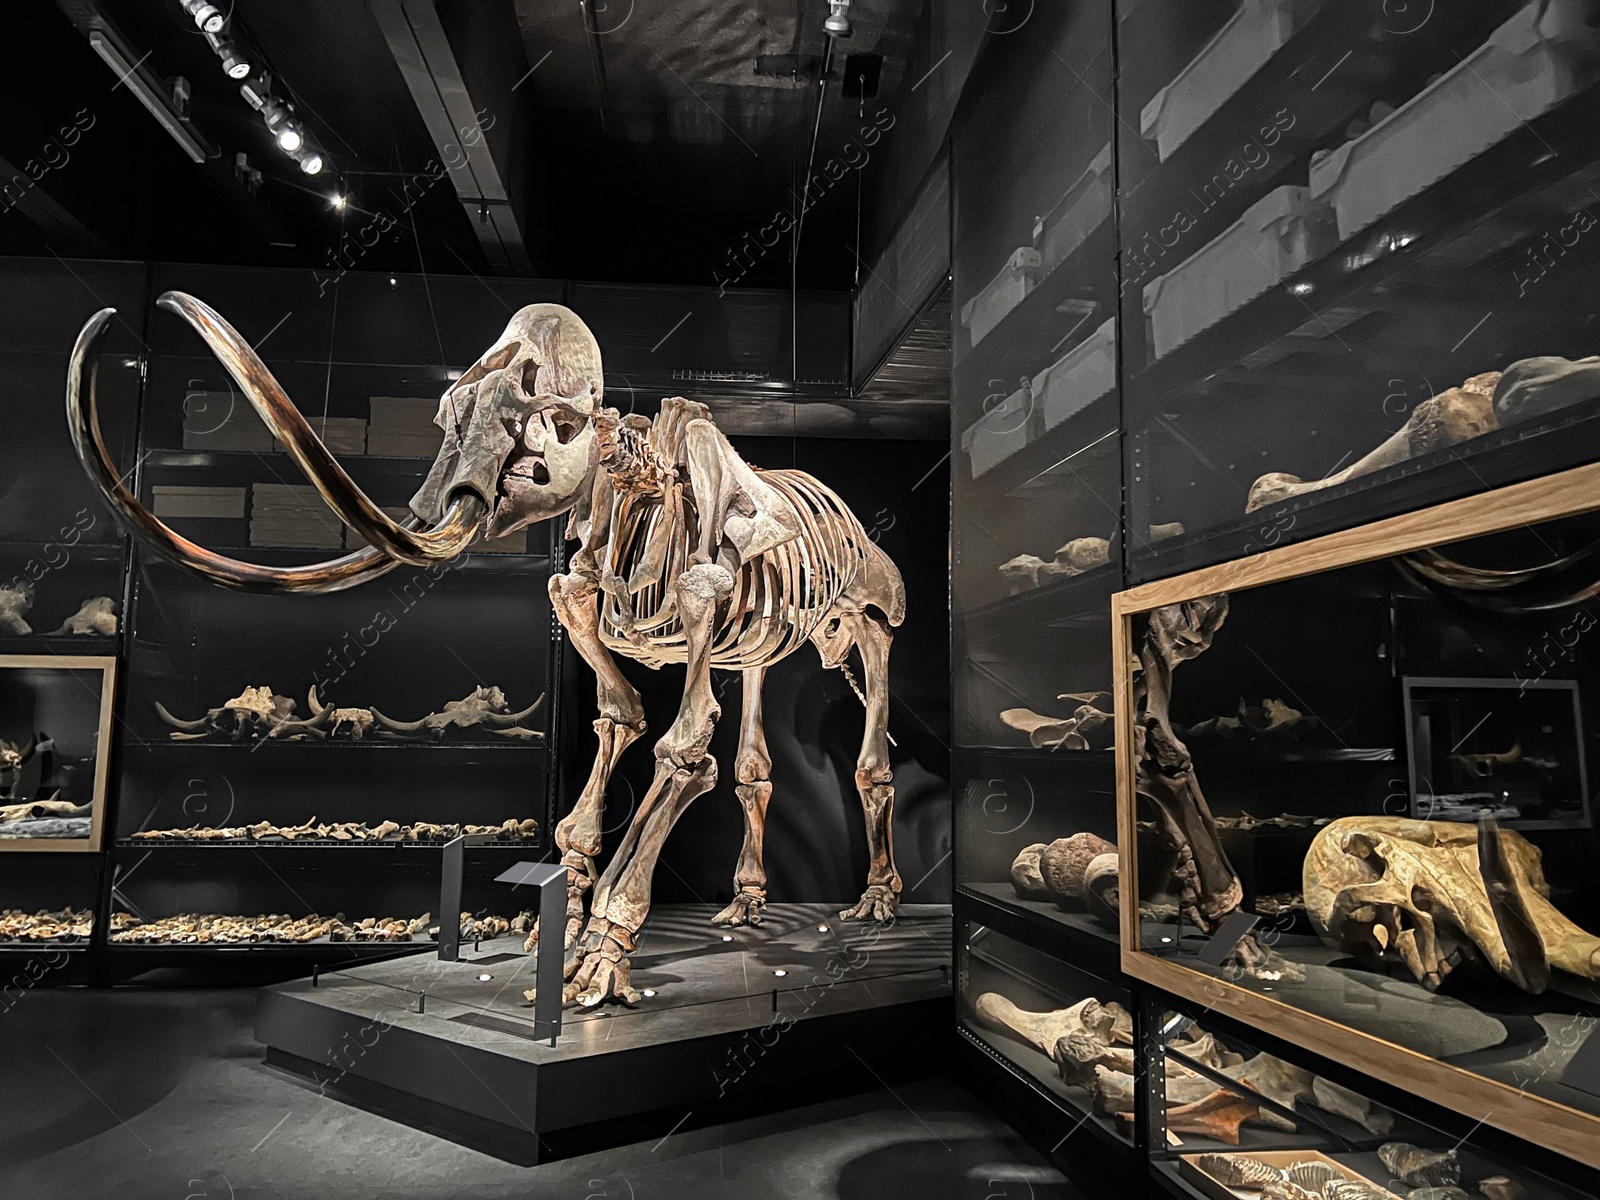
(648, 141)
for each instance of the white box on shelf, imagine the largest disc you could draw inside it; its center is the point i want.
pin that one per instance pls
(1276, 236)
(1082, 209)
(1256, 32)
(341, 435)
(1002, 293)
(222, 421)
(186, 500)
(1002, 431)
(1079, 377)
(1540, 57)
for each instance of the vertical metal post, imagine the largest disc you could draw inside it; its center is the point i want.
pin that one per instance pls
(1150, 1100)
(450, 900)
(552, 948)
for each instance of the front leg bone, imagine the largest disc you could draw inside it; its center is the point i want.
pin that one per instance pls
(684, 770)
(575, 598)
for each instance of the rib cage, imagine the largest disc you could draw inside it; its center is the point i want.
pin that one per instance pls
(779, 598)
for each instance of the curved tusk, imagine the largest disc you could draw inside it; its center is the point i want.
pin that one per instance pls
(1459, 576)
(314, 704)
(396, 726)
(83, 423)
(194, 726)
(1485, 598)
(315, 461)
(501, 720)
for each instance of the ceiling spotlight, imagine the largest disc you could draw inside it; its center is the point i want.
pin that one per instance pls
(337, 200)
(838, 22)
(280, 123)
(207, 16)
(310, 161)
(234, 64)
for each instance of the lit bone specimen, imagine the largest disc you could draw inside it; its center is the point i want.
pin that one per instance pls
(1438, 894)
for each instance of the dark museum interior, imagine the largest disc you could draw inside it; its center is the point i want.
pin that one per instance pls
(532, 659)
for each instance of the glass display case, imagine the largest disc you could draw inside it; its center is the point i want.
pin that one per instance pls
(1355, 801)
(1036, 474)
(55, 750)
(1356, 272)
(1063, 1029)
(62, 572)
(1231, 1118)
(1037, 552)
(300, 757)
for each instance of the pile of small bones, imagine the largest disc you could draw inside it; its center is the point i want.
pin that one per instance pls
(68, 925)
(343, 831)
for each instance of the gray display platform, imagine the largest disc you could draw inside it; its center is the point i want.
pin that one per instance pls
(854, 1007)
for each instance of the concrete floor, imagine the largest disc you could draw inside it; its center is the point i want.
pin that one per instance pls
(163, 1094)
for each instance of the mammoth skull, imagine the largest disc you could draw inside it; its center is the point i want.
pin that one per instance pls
(519, 424)
(1425, 891)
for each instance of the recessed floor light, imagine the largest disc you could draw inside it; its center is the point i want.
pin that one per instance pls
(727, 937)
(484, 978)
(822, 929)
(780, 972)
(648, 992)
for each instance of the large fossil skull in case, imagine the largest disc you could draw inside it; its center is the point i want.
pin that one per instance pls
(1439, 894)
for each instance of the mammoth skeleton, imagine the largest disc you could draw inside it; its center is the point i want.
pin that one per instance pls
(686, 555)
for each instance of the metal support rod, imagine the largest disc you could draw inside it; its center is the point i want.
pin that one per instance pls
(450, 893)
(551, 880)
(548, 978)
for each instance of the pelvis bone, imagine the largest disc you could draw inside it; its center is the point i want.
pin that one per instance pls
(1423, 891)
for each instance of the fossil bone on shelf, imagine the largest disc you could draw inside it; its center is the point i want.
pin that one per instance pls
(15, 600)
(1208, 889)
(222, 929)
(255, 712)
(1418, 889)
(484, 707)
(343, 831)
(1056, 871)
(96, 617)
(1106, 1023)
(67, 925)
(1089, 727)
(1493, 400)
(1028, 571)
(1419, 1167)
(34, 809)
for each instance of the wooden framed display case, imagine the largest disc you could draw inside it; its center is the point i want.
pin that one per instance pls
(1448, 958)
(55, 750)
(1223, 1101)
